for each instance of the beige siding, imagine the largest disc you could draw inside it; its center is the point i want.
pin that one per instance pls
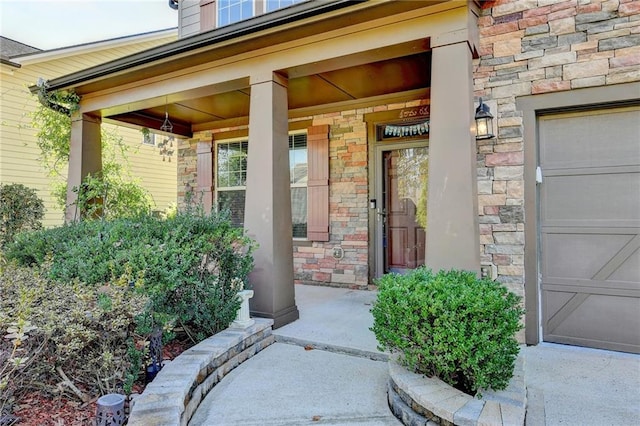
(19, 153)
(157, 175)
(189, 18)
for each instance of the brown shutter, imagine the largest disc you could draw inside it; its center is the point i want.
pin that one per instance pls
(204, 171)
(318, 183)
(207, 15)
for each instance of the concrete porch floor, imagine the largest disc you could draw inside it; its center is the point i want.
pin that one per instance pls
(343, 380)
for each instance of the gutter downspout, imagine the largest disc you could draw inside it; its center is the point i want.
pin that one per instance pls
(42, 87)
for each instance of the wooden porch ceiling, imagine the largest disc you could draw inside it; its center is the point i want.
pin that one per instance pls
(350, 86)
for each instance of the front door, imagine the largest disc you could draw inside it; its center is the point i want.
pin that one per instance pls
(402, 214)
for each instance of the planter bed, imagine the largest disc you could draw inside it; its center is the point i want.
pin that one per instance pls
(418, 400)
(178, 389)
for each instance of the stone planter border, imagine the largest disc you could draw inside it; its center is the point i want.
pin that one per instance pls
(417, 400)
(176, 392)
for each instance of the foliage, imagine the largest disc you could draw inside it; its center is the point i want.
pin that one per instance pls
(54, 127)
(451, 325)
(20, 210)
(77, 335)
(111, 193)
(190, 266)
(108, 196)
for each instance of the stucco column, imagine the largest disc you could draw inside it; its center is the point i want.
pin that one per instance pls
(85, 157)
(452, 205)
(267, 216)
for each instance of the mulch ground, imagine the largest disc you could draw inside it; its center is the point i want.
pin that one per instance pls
(36, 409)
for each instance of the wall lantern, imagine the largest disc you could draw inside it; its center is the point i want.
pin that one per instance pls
(484, 122)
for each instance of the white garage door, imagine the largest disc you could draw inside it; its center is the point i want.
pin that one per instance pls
(589, 204)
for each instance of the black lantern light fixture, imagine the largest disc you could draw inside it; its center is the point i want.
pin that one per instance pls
(155, 355)
(484, 122)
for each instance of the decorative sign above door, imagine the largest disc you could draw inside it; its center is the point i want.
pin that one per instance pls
(412, 113)
(409, 123)
(404, 130)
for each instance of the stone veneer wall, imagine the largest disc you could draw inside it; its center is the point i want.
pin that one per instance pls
(348, 198)
(187, 165)
(530, 47)
(527, 47)
(348, 204)
(348, 208)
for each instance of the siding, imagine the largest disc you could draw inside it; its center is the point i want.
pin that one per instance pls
(189, 17)
(19, 153)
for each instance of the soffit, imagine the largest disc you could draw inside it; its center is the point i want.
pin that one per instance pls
(395, 73)
(360, 12)
(407, 74)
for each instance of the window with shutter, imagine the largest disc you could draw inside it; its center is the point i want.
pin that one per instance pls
(318, 183)
(231, 172)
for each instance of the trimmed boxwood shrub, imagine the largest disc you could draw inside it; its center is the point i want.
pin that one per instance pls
(451, 325)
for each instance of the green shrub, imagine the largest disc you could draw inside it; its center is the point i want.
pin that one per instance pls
(107, 195)
(450, 325)
(65, 329)
(20, 210)
(190, 265)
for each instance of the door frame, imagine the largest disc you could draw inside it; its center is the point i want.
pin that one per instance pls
(375, 222)
(533, 106)
(373, 120)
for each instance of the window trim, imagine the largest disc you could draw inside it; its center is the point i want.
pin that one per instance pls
(259, 7)
(254, 12)
(149, 136)
(266, 2)
(217, 176)
(293, 133)
(245, 138)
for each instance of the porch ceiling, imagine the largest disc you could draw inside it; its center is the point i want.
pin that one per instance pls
(398, 76)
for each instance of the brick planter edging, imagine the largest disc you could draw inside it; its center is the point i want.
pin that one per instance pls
(417, 400)
(175, 393)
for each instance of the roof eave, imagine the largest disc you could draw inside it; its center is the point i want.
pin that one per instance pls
(250, 26)
(61, 52)
(6, 61)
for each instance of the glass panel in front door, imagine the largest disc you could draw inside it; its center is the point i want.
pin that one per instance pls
(405, 198)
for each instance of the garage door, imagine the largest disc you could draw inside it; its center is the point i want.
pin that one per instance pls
(590, 228)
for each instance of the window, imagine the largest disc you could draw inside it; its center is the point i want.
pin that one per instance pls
(298, 174)
(231, 180)
(149, 138)
(231, 11)
(272, 5)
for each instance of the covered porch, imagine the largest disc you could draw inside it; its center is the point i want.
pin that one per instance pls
(262, 78)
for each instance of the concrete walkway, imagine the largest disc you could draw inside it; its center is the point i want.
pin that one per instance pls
(288, 384)
(342, 380)
(570, 385)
